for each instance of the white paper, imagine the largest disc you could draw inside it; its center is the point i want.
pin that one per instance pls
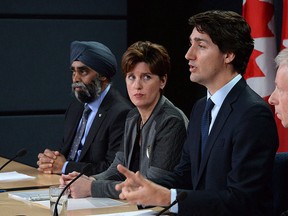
(132, 213)
(30, 195)
(86, 203)
(14, 176)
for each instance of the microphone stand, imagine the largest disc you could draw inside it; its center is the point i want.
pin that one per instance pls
(85, 170)
(20, 153)
(181, 196)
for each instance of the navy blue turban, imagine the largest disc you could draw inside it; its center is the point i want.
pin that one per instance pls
(95, 55)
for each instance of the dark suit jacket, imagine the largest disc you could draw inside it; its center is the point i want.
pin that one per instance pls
(234, 175)
(104, 137)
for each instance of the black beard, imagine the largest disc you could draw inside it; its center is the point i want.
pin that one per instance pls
(89, 92)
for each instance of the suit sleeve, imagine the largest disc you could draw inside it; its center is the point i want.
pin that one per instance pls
(166, 152)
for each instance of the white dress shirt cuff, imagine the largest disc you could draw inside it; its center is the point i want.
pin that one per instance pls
(173, 209)
(64, 167)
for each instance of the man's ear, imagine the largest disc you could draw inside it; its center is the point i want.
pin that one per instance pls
(102, 78)
(229, 56)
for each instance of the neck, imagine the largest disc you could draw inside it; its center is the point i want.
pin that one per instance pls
(145, 112)
(220, 83)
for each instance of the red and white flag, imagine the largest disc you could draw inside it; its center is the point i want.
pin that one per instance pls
(284, 37)
(261, 71)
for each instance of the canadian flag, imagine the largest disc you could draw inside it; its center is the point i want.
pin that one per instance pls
(261, 71)
(285, 25)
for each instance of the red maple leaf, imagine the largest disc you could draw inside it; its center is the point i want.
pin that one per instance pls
(253, 69)
(258, 14)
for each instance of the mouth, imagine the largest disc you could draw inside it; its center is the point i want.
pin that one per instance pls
(77, 88)
(138, 95)
(192, 68)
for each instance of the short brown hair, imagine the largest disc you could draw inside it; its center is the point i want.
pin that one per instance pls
(155, 55)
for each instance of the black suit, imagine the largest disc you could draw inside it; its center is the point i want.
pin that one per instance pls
(234, 175)
(104, 137)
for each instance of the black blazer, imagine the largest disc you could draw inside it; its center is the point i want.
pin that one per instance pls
(234, 175)
(104, 137)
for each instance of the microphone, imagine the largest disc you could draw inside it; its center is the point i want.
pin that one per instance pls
(181, 196)
(20, 153)
(84, 170)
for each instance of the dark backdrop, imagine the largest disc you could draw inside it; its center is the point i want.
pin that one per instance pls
(35, 76)
(34, 52)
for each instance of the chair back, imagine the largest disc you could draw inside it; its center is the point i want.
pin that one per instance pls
(280, 183)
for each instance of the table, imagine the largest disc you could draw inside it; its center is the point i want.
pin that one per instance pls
(12, 207)
(41, 180)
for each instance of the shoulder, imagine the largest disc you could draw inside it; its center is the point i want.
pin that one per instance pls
(115, 100)
(246, 98)
(169, 112)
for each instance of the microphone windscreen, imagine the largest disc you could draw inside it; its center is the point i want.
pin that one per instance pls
(21, 153)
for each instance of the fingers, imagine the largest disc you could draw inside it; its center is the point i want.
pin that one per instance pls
(134, 179)
(81, 188)
(45, 167)
(65, 180)
(119, 187)
(132, 195)
(50, 154)
(126, 172)
(62, 180)
(132, 184)
(46, 157)
(46, 171)
(75, 174)
(57, 153)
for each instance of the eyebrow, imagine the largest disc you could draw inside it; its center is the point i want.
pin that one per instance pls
(198, 39)
(80, 68)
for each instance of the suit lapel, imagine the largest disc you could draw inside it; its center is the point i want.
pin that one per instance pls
(196, 150)
(72, 130)
(97, 122)
(219, 123)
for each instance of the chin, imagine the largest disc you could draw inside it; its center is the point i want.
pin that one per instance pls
(285, 124)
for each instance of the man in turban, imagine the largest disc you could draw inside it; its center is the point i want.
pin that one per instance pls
(94, 123)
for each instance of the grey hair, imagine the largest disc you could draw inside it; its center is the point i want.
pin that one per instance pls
(282, 57)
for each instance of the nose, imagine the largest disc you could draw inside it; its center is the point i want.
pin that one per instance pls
(190, 54)
(75, 77)
(272, 99)
(137, 84)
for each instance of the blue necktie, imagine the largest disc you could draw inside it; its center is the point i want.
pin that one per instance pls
(206, 120)
(79, 134)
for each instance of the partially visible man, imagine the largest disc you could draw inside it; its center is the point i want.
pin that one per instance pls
(95, 136)
(279, 97)
(228, 156)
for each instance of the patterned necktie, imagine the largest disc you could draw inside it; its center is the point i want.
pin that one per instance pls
(79, 134)
(206, 120)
